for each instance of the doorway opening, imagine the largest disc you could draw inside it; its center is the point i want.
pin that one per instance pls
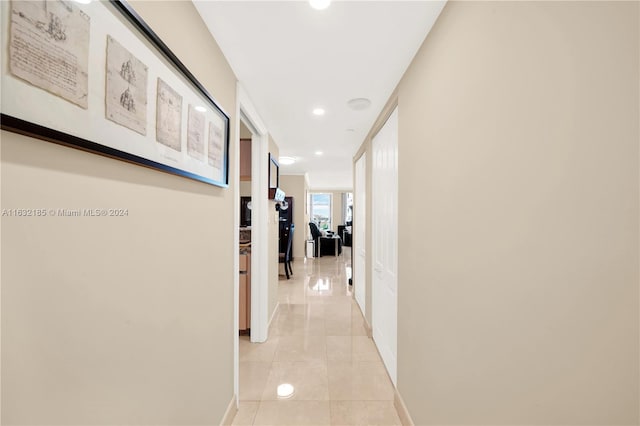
(253, 262)
(245, 230)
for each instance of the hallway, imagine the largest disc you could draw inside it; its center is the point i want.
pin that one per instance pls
(318, 344)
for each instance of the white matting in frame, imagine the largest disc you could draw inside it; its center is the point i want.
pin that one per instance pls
(132, 136)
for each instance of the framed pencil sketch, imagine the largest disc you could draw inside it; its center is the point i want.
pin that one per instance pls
(96, 77)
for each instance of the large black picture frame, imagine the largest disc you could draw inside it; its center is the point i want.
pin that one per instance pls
(91, 134)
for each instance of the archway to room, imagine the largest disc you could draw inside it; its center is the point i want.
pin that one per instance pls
(245, 229)
(254, 266)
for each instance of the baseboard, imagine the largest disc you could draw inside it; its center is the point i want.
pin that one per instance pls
(367, 327)
(403, 413)
(232, 409)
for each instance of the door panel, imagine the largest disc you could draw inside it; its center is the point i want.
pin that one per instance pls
(359, 229)
(385, 242)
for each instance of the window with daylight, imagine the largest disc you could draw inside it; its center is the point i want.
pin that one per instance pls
(348, 208)
(321, 210)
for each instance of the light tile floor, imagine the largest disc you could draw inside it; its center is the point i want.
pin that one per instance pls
(319, 345)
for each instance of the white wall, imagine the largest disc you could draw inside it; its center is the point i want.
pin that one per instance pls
(518, 195)
(119, 320)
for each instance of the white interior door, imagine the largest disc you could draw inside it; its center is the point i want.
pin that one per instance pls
(384, 225)
(359, 229)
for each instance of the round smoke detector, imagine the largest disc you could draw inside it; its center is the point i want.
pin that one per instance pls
(359, 104)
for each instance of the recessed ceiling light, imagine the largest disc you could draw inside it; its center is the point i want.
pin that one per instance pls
(318, 111)
(319, 4)
(359, 104)
(83, 1)
(285, 390)
(201, 108)
(287, 161)
(318, 153)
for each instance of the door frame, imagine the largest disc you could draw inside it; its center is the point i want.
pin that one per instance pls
(246, 111)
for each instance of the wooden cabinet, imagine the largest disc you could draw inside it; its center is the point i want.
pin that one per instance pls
(286, 219)
(245, 159)
(245, 292)
(245, 212)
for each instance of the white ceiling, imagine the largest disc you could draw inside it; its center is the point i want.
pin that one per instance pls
(291, 59)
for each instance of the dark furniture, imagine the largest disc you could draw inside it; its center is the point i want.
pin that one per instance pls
(286, 219)
(286, 256)
(345, 234)
(325, 246)
(245, 211)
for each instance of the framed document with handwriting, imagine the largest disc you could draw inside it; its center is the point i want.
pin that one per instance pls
(97, 77)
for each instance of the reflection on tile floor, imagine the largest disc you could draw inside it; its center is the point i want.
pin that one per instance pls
(318, 344)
